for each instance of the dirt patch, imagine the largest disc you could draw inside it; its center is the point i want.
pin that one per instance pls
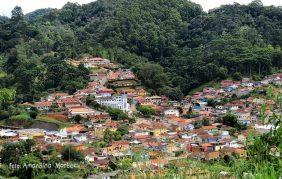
(60, 117)
(45, 125)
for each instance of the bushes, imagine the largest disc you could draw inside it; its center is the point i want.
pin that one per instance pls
(197, 124)
(191, 115)
(29, 171)
(22, 116)
(5, 171)
(232, 121)
(147, 111)
(22, 120)
(237, 76)
(178, 153)
(69, 153)
(123, 129)
(206, 122)
(4, 115)
(33, 114)
(6, 96)
(12, 152)
(117, 114)
(215, 102)
(110, 136)
(20, 154)
(77, 118)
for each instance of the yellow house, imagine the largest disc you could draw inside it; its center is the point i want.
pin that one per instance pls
(112, 125)
(142, 92)
(31, 133)
(172, 147)
(158, 129)
(99, 131)
(241, 152)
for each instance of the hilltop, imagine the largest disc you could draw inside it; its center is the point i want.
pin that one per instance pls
(172, 46)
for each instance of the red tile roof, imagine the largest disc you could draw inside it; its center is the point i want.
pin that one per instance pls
(76, 128)
(43, 104)
(69, 100)
(209, 127)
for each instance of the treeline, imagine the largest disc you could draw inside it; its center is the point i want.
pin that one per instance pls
(33, 58)
(173, 46)
(24, 160)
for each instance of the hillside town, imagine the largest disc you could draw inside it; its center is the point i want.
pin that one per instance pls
(115, 117)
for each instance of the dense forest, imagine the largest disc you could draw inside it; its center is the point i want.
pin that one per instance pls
(173, 46)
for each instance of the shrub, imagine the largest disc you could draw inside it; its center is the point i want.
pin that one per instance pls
(4, 115)
(69, 153)
(237, 76)
(117, 114)
(147, 111)
(5, 171)
(23, 120)
(33, 114)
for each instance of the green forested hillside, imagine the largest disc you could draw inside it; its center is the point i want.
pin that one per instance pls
(37, 14)
(173, 46)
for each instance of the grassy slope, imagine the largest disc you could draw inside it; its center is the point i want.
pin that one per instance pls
(201, 87)
(52, 120)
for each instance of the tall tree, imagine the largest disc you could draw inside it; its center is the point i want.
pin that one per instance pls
(17, 14)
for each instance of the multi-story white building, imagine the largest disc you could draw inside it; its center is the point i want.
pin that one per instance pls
(119, 102)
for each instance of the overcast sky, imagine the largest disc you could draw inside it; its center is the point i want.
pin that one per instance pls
(30, 5)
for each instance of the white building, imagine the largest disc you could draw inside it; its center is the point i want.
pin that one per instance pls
(119, 102)
(80, 138)
(154, 99)
(171, 112)
(96, 61)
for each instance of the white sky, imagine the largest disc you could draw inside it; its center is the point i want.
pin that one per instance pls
(30, 5)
